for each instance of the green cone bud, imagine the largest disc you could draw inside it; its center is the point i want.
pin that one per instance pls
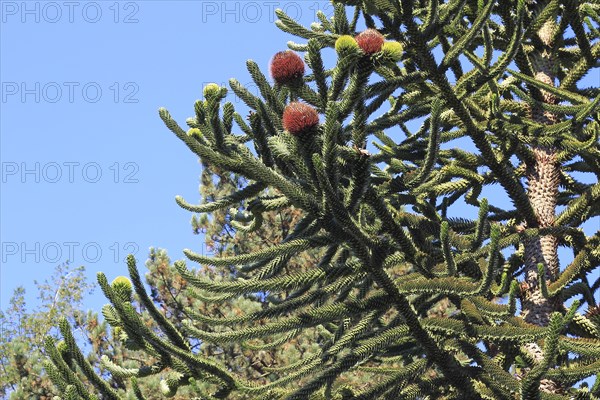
(213, 90)
(392, 50)
(122, 286)
(345, 44)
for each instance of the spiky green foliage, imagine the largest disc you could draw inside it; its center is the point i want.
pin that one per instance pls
(502, 74)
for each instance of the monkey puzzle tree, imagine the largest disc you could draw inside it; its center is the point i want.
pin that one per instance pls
(391, 248)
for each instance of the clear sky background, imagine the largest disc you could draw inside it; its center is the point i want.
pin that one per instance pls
(89, 171)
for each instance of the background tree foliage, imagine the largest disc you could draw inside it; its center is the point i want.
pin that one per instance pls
(374, 286)
(24, 330)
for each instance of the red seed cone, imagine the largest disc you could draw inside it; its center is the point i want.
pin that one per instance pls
(370, 41)
(286, 67)
(299, 118)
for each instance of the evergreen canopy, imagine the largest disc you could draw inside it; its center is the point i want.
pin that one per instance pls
(390, 247)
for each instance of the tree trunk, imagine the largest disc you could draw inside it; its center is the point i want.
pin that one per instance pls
(542, 181)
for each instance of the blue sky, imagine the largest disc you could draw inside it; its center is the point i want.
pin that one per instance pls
(89, 171)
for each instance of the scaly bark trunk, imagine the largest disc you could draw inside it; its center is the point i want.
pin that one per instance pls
(542, 181)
